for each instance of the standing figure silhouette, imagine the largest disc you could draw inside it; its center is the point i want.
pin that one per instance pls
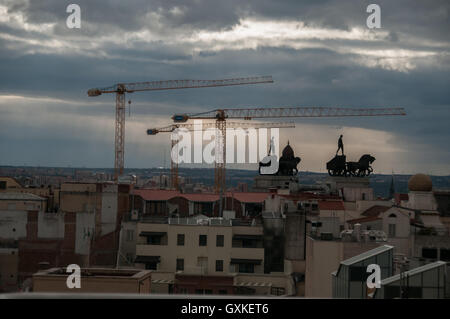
(340, 146)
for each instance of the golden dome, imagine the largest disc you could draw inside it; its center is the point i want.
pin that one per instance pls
(420, 183)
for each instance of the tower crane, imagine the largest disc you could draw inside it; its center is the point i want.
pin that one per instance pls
(121, 89)
(221, 115)
(191, 127)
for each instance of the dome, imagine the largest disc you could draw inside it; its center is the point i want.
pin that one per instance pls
(288, 152)
(420, 183)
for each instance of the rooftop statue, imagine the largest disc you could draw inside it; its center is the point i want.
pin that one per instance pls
(340, 145)
(286, 166)
(338, 166)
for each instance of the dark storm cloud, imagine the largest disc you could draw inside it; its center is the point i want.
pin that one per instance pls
(60, 63)
(427, 19)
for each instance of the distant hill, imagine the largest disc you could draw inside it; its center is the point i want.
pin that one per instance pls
(380, 183)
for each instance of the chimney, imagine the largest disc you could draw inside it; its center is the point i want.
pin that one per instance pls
(357, 231)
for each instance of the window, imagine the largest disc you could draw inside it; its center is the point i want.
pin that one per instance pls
(180, 264)
(358, 273)
(154, 240)
(183, 291)
(430, 253)
(249, 243)
(202, 262)
(391, 230)
(203, 208)
(219, 265)
(445, 254)
(277, 291)
(202, 240)
(219, 240)
(247, 268)
(180, 240)
(2, 184)
(203, 291)
(222, 292)
(130, 235)
(151, 266)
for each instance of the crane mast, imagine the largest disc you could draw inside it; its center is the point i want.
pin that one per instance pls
(122, 88)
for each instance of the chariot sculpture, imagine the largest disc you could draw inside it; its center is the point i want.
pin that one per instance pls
(338, 166)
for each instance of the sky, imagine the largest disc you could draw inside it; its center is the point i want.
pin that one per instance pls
(319, 53)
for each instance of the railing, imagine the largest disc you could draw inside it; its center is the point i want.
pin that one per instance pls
(154, 219)
(195, 221)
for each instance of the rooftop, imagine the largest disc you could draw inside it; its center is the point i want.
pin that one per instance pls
(20, 196)
(375, 210)
(363, 219)
(331, 205)
(164, 195)
(414, 271)
(366, 255)
(96, 272)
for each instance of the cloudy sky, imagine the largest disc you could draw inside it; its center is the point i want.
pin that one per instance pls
(319, 52)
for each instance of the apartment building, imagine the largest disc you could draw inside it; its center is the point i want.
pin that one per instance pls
(200, 248)
(201, 255)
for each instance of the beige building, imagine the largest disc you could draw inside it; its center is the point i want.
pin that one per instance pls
(200, 249)
(94, 280)
(13, 201)
(49, 195)
(207, 256)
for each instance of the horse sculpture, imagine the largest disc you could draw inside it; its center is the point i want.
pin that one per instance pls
(339, 167)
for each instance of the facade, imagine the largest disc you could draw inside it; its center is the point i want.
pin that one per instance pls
(351, 188)
(84, 230)
(393, 222)
(94, 280)
(181, 245)
(208, 256)
(9, 267)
